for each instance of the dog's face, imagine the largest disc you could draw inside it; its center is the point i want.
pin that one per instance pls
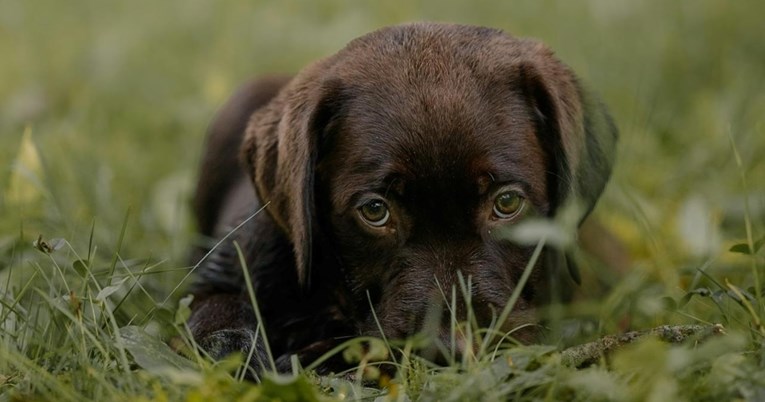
(406, 155)
(416, 182)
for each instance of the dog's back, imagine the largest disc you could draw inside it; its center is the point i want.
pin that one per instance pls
(223, 187)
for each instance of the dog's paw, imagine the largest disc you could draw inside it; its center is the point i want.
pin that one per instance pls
(224, 342)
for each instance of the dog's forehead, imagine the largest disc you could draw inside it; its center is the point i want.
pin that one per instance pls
(436, 134)
(422, 104)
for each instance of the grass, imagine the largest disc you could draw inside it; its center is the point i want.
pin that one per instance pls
(102, 117)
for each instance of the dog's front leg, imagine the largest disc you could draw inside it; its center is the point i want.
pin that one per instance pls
(223, 324)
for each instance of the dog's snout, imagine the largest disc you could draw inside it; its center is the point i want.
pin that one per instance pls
(448, 341)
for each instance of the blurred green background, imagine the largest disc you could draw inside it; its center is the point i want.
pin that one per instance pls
(104, 104)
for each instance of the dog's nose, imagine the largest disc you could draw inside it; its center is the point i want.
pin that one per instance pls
(458, 344)
(449, 346)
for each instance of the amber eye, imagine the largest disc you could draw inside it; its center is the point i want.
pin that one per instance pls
(375, 213)
(508, 204)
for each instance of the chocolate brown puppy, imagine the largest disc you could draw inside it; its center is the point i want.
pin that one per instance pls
(388, 173)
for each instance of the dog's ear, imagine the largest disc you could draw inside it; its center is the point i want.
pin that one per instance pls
(280, 152)
(579, 138)
(573, 126)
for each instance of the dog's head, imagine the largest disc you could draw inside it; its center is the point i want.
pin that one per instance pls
(406, 153)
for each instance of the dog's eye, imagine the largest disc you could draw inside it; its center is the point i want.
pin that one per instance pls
(508, 204)
(375, 213)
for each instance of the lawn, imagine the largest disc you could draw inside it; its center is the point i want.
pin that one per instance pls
(103, 109)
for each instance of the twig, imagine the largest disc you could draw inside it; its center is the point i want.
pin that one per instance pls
(589, 353)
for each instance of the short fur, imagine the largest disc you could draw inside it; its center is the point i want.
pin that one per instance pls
(432, 117)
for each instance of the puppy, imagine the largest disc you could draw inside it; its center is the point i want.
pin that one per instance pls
(360, 192)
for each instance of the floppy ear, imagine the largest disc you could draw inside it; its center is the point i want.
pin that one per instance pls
(573, 126)
(280, 151)
(578, 136)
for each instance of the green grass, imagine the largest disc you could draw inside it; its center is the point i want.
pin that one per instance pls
(103, 107)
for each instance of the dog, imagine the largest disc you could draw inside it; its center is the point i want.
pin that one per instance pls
(368, 194)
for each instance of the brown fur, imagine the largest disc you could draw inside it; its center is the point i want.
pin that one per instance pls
(433, 118)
